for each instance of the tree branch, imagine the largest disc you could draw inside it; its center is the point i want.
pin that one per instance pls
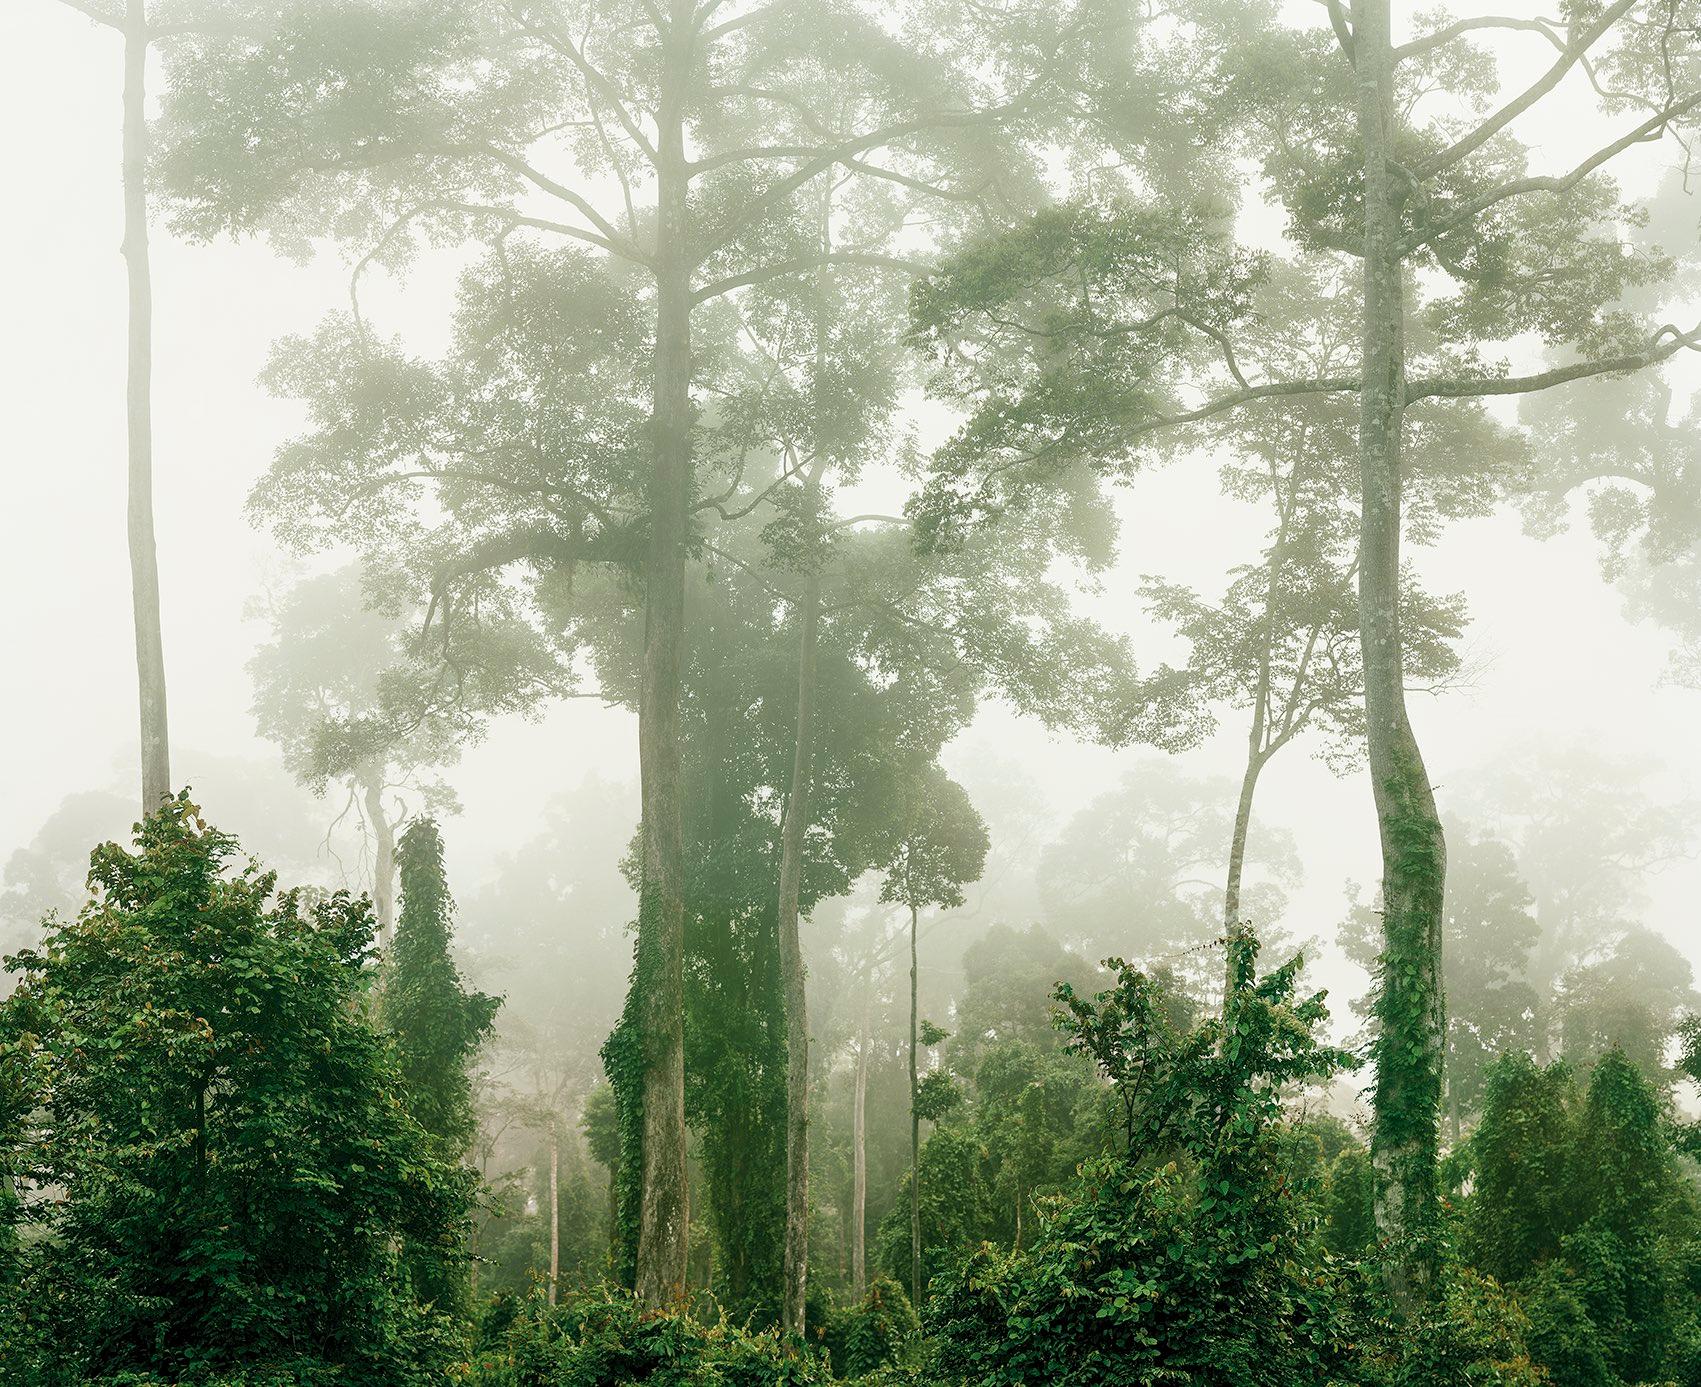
(1574, 52)
(612, 237)
(1441, 37)
(1517, 187)
(812, 262)
(1667, 342)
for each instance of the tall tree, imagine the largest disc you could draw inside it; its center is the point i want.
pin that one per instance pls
(130, 19)
(1282, 643)
(325, 692)
(1367, 170)
(437, 1026)
(421, 116)
(941, 846)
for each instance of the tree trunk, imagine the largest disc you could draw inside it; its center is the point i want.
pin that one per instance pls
(1233, 925)
(792, 972)
(384, 856)
(859, 1162)
(144, 554)
(1410, 1007)
(554, 1214)
(664, 1212)
(915, 1132)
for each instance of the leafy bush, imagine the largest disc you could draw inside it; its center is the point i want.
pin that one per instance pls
(216, 1156)
(876, 1332)
(603, 1339)
(1193, 1257)
(1475, 1334)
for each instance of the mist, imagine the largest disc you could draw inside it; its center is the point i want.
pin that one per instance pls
(1158, 516)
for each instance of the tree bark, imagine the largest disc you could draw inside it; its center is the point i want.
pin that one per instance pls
(554, 1214)
(915, 1131)
(1410, 1006)
(792, 971)
(664, 1213)
(859, 1161)
(384, 856)
(144, 554)
(1233, 925)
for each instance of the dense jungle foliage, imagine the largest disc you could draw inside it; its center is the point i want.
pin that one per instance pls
(786, 378)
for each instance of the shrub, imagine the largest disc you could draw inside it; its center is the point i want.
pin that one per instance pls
(875, 1333)
(217, 1157)
(602, 1338)
(1195, 1257)
(1474, 1334)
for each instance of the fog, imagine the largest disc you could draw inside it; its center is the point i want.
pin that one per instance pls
(1567, 733)
(1555, 663)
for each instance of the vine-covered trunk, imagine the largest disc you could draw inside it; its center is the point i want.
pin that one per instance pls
(658, 979)
(144, 552)
(384, 855)
(792, 971)
(1410, 1007)
(915, 1130)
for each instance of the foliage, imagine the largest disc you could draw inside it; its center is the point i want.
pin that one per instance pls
(956, 1207)
(1189, 1256)
(334, 689)
(876, 1332)
(1579, 1206)
(1473, 1332)
(603, 1339)
(436, 1027)
(437, 1023)
(218, 1157)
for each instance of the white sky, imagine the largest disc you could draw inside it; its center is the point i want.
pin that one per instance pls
(1561, 663)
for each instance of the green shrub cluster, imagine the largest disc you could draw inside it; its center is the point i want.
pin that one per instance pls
(603, 1339)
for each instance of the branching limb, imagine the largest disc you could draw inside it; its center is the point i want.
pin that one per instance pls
(1650, 129)
(1547, 28)
(1574, 52)
(612, 238)
(1667, 342)
(781, 268)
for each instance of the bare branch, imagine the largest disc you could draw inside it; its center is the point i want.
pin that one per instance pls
(819, 160)
(611, 236)
(1650, 129)
(1574, 52)
(1668, 341)
(805, 263)
(1547, 28)
(516, 219)
(599, 84)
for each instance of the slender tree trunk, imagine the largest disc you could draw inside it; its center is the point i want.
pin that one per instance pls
(1410, 1005)
(384, 855)
(1257, 753)
(859, 1161)
(144, 553)
(915, 1130)
(554, 1214)
(664, 1214)
(792, 971)
(1233, 925)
